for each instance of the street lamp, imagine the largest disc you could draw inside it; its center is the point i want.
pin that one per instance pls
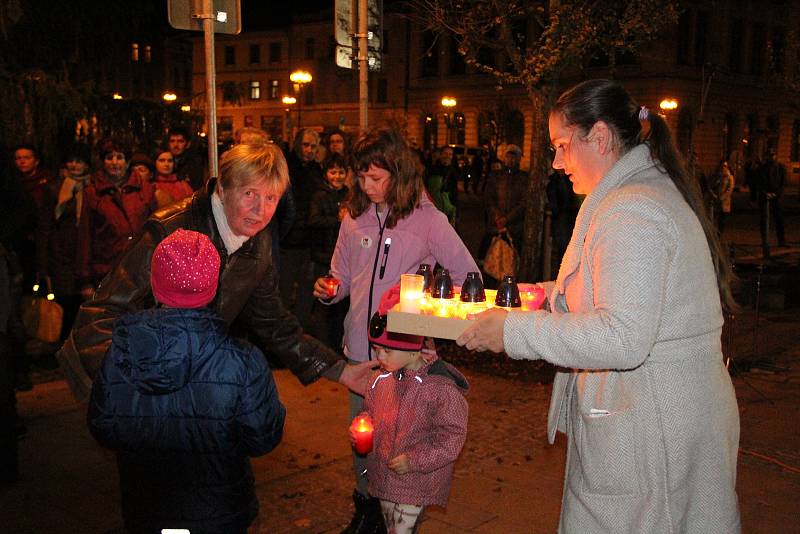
(169, 97)
(288, 101)
(299, 78)
(448, 102)
(116, 96)
(668, 104)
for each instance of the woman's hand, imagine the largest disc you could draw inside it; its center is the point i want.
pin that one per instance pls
(355, 376)
(321, 289)
(486, 333)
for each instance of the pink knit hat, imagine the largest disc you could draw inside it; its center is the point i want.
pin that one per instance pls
(184, 271)
(377, 326)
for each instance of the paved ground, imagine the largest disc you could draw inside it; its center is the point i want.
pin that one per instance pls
(508, 479)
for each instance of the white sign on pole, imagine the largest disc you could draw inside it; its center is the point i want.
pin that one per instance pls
(344, 59)
(344, 33)
(227, 15)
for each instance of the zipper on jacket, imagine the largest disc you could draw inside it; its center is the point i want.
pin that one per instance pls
(381, 228)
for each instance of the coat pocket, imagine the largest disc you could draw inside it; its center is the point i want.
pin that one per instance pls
(607, 453)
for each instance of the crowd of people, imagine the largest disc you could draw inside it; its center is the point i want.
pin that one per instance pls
(180, 291)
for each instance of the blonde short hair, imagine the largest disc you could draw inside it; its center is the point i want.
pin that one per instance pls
(245, 165)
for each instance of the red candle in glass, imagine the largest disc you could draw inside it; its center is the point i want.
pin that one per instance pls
(331, 286)
(362, 428)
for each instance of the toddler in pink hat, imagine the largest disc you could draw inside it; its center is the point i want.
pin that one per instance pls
(417, 406)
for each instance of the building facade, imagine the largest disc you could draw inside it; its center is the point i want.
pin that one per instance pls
(728, 65)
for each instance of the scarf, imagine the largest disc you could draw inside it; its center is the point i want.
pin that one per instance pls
(71, 187)
(232, 241)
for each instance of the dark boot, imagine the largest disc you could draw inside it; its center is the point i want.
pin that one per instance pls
(368, 518)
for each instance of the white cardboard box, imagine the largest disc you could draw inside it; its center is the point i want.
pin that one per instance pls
(425, 325)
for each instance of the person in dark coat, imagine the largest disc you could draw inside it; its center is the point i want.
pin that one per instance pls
(64, 206)
(564, 206)
(327, 211)
(233, 212)
(297, 272)
(183, 404)
(188, 162)
(772, 179)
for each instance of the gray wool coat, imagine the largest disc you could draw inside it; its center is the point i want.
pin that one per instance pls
(647, 405)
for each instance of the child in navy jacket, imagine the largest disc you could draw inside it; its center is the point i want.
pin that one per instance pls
(183, 404)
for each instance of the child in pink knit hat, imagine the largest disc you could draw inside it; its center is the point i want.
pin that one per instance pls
(417, 405)
(183, 404)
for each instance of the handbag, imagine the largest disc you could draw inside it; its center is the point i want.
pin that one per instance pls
(41, 315)
(501, 257)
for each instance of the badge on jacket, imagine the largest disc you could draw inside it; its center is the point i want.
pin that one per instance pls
(366, 241)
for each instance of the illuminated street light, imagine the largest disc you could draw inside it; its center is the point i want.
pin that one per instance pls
(289, 100)
(449, 102)
(299, 78)
(186, 107)
(170, 97)
(668, 104)
(116, 96)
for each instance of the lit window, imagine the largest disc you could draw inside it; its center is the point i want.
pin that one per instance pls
(134, 51)
(255, 90)
(274, 89)
(148, 53)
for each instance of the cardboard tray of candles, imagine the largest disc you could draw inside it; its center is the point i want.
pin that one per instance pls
(423, 324)
(446, 318)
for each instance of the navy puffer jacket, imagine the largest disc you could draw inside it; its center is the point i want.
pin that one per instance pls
(184, 406)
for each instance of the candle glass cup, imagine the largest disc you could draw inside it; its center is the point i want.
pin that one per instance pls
(362, 429)
(331, 286)
(411, 287)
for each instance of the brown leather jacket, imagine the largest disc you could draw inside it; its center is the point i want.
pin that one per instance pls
(247, 298)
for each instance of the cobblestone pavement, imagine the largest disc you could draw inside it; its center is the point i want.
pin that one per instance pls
(507, 480)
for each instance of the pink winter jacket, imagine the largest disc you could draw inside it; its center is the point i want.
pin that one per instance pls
(422, 414)
(424, 236)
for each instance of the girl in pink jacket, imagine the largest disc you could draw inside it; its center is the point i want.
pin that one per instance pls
(419, 412)
(392, 227)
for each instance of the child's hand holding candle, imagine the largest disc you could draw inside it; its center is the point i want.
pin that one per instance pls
(361, 433)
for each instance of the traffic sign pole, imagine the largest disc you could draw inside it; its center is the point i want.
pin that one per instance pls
(211, 93)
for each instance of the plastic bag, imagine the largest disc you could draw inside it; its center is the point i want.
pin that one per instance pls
(501, 257)
(41, 317)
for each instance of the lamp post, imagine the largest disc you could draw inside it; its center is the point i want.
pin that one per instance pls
(288, 101)
(169, 97)
(299, 78)
(448, 102)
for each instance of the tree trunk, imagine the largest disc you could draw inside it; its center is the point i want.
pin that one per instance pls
(531, 251)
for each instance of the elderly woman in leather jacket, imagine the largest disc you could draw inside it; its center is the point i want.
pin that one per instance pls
(233, 212)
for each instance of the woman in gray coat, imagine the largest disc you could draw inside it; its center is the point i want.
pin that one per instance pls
(635, 320)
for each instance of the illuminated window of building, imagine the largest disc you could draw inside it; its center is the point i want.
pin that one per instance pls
(148, 53)
(274, 89)
(255, 90)
(134, 51)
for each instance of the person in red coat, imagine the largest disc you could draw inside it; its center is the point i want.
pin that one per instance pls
(168, 188)
(116, 204)
(417, 405)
